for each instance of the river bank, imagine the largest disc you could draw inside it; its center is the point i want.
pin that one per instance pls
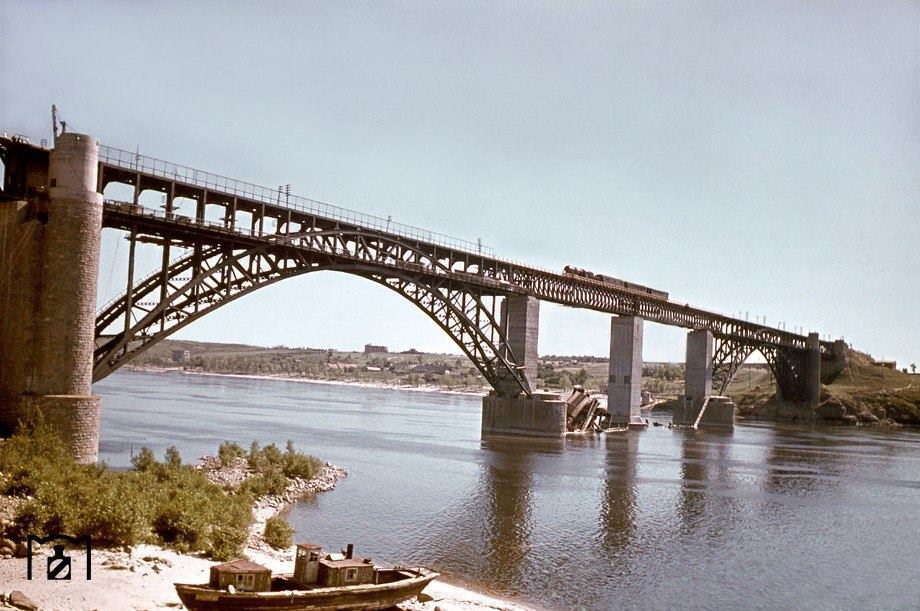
(143, 577)
(287, 378)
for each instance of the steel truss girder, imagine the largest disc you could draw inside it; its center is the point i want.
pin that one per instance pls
(726, 362)
(786, 365)
(218, 274)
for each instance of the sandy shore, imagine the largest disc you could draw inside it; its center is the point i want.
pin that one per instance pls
(143, 577)
(380, 385)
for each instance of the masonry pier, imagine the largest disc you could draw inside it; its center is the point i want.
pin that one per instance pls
(624, 382)
(49, 242)
(504, 411)
(719, 411)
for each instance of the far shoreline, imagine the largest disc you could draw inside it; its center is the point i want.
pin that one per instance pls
(285, 378)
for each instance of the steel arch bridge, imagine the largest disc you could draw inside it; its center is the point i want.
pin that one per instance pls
(262, 236)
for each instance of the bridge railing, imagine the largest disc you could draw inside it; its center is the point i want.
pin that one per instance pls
(173, 171)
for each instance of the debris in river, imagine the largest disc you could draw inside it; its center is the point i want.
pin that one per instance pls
(586, 412)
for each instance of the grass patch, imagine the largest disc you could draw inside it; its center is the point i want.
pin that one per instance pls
(162, 502)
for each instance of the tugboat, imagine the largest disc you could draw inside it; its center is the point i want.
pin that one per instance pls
(320, 582)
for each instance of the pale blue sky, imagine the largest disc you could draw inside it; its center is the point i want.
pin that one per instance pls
(757, 157)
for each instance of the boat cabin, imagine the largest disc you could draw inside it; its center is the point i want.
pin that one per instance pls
(306, 562)
(345, 571)
(244, 575)
(314, 568)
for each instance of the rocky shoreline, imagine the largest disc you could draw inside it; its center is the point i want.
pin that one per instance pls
(266, 507)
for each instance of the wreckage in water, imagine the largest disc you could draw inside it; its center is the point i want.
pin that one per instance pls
(330, 581)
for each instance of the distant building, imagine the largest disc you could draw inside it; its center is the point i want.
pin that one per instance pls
(886, 364)
(372, 349)
(180, 357)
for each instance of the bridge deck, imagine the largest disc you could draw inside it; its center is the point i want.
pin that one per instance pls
(494, 274)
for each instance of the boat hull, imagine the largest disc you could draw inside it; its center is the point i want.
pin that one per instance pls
(369, 596)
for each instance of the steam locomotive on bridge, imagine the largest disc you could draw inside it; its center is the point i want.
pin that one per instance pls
(601, 279)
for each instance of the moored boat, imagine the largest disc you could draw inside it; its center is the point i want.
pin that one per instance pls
(319, 582)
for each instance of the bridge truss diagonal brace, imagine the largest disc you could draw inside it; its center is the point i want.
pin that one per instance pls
(198, 283)
(729, 355)
(793, 370)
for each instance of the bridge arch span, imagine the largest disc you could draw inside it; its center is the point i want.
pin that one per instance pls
(789, 369)
(197, 283)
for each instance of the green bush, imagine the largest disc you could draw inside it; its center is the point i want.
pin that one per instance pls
(172, 457)
(278, 533)
(71, 498)
(227, 543)
(145, 460)
(228, 452)
(298, 464)
(275, 465)
(271, 481)
(158, 502)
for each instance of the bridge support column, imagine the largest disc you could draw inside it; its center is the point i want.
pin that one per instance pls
(520, 320)
(697, 376)
(834, 366)
(56, 263)
(624, 382)
(506, 411)
(542, 415)
(811, 381)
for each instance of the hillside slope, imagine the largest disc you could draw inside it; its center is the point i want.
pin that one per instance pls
(863, 392)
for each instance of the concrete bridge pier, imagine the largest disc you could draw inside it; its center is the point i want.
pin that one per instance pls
(812, 373)
(720, 411)
(507, 411)
(834, 364)
(52, 246)
(624, 382)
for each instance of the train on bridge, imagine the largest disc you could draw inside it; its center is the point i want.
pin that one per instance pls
(601, 279)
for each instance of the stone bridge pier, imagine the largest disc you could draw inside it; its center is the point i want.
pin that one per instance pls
(698, 368)
(624, 382)
(508, 410)
(49, 244)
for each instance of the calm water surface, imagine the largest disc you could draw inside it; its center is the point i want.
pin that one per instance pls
(764, 516)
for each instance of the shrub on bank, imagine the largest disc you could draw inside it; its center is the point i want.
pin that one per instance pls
(270, 481)
(159, 502)
(228, 452)
(278, 533)
(274, 464)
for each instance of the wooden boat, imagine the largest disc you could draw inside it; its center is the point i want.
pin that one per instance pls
(395, 586)
(336, 581)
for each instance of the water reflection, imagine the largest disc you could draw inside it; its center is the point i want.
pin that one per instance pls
(618, 513)
(492, 528)
(802, 461)
(705, 502)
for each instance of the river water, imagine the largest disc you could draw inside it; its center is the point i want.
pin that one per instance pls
(765, 515)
